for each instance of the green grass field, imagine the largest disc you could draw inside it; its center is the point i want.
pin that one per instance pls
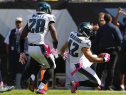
(65, 92)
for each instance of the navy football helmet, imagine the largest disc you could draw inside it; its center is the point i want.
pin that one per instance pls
(85, 29)
(43, 7)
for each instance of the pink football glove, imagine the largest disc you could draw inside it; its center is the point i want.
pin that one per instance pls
(64, 56)
(55, 53)
(22, 58)
(105, 56)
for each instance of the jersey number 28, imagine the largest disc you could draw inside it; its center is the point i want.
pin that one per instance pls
(40, 23)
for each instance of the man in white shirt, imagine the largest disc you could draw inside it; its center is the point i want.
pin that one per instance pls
(13, 50)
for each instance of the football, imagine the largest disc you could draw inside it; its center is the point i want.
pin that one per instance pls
(101, 55)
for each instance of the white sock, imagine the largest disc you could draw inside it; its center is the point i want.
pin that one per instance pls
(122, 86)
(33, 77)
(41, 85)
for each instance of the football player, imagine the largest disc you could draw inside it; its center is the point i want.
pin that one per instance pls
(81, 57)
(38, 25)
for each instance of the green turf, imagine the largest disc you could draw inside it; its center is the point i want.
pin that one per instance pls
(65, 92)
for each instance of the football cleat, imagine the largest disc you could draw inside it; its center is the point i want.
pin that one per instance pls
(98, 87)
(4, 88)
(73, 86)
(40, 91)
(30, 83)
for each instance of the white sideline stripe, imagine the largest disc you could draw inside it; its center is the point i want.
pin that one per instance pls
(104, 91)
(92, 91)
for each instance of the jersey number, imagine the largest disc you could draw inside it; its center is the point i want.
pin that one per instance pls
(72, 51)
(40, 23)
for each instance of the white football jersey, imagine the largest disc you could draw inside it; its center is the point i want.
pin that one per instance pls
(38, 25)
(75, 45)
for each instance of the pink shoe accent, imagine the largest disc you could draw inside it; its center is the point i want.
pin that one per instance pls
(42, 91)
(80, 65)
(77, 83)
(48, 50)
(73, 89)
(98, 87)
(1, 82)
(30, 83)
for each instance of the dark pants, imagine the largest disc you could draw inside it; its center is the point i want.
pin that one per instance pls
(116, 80)
(122, 62)
(0, 76)
(13, 63)
(109, 66)
(120, 68)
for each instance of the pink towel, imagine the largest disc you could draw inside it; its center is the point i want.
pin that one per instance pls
(80, 65)
(48, 50)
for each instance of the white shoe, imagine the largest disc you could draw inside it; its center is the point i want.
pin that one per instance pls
(4, 88)
(10, 88)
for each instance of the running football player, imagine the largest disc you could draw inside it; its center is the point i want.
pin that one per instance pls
(38, 25)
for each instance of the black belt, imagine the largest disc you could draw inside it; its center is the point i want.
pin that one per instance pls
(110, 48)
(35, 44)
